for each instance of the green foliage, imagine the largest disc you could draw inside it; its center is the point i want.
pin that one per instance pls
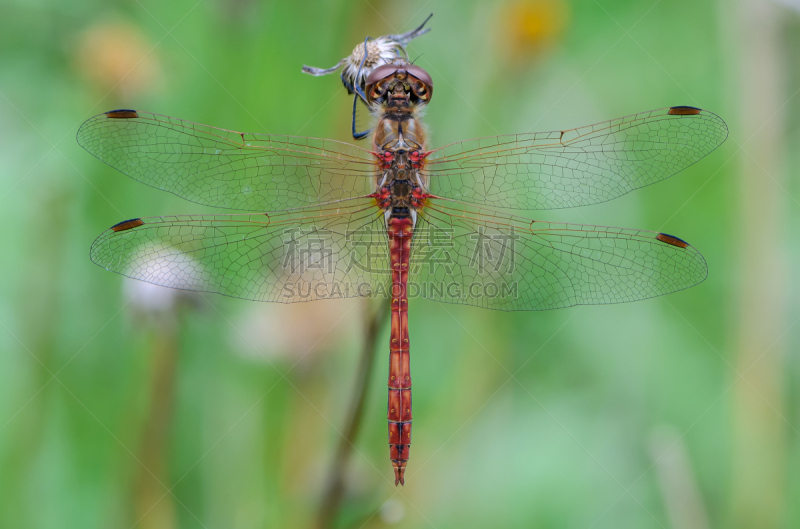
(552, 419)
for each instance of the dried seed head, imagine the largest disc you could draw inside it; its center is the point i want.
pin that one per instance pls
(380, 51)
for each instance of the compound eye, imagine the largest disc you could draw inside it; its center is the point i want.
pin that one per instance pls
(388, 156)
(414, 156)
(381, 73)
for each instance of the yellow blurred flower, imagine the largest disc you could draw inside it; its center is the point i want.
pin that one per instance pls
(530, 25)
(117, 56)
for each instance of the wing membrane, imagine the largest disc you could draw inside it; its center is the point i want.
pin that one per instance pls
(228, 169)
(578, 167)
(284, 257)
(496, 261)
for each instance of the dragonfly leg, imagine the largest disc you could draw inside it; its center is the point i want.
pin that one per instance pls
(356, 86)
(350, 88)
(357, 135)
(359, 93)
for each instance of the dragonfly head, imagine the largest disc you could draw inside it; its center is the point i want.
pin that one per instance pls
(399, 84)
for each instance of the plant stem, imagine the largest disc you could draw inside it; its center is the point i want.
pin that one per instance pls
(153, 508)
(335, 487)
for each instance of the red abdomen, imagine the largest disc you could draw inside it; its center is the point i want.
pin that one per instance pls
(400, 232)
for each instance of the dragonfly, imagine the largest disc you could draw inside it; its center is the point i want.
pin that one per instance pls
(323, 219)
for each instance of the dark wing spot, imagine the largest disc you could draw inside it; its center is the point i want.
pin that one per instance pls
(684, 111)
(127, 224)
(671, 239)
(122, 113)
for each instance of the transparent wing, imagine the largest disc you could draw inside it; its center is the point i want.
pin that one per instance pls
(285, 257)
(228, 169)
(496, 261)
(578, 167)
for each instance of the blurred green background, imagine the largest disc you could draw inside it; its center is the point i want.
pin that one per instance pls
(127, 406)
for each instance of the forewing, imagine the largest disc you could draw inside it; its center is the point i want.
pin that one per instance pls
(228, 169)
(495, 261)
(578, 167)
(285, 257)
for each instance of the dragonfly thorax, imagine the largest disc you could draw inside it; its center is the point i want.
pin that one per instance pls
(401, 191)
(395, 133)
(402, 201)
